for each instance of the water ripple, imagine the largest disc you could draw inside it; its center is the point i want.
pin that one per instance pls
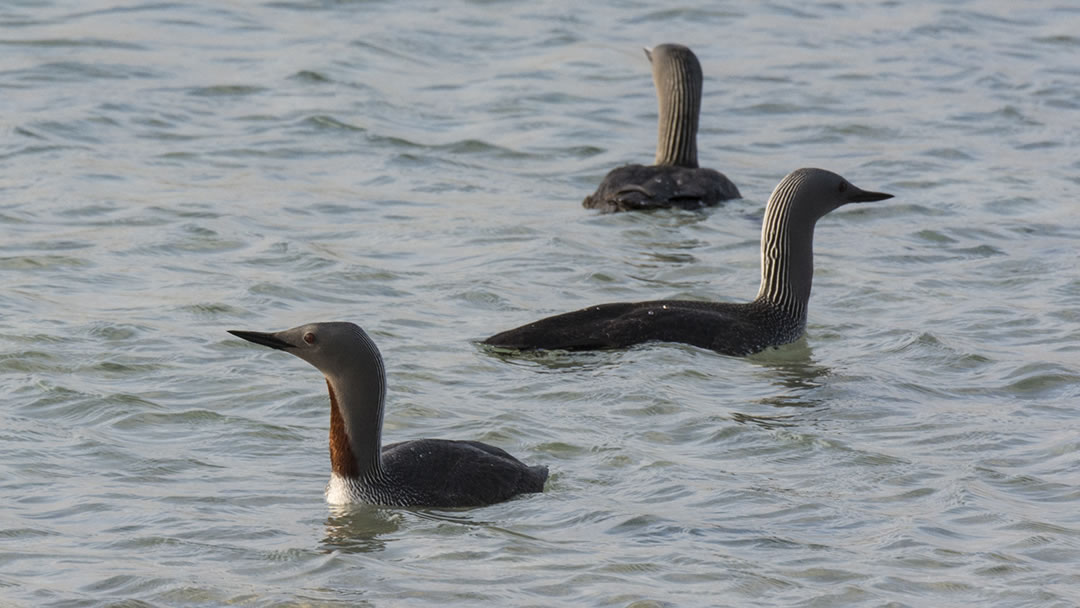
(174, 170)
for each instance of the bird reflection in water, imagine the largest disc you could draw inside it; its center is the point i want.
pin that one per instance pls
(357, 528)
(793, 369)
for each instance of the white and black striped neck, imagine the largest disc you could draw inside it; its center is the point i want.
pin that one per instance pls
(787, 257)
(678, 79)
(787, 234)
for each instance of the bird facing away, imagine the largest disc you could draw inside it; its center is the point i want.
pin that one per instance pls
(777, 316)
(420, 473)
(675, 180)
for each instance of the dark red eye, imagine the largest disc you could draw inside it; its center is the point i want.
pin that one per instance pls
(843, 187)
(309, 338)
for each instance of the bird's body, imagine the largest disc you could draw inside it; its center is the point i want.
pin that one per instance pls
(643, 187)
(777, 316)
(440, 473)
(725, 327)
(422, 472)
(675, 179)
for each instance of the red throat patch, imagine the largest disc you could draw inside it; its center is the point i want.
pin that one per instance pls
(342, 460)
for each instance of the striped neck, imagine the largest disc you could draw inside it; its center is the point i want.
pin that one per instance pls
(787, 252)
(356, 416)
(677, 76)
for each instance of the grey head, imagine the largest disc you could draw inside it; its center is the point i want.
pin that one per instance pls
(335, 348)
(787, 233)
(806, 195)
(677, 76)
(668, 59)
(356, 379)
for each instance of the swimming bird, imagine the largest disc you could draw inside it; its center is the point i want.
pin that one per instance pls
(422, 472)
(675, 180)
(777, 316)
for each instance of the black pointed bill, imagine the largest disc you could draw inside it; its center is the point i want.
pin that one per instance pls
(259, 337)
(865, 196)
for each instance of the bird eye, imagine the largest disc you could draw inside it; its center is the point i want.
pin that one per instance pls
(309, 338)
(843, 187)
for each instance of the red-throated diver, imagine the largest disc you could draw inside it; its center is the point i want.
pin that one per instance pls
(777, 316)
(675, 180)
(422, 472)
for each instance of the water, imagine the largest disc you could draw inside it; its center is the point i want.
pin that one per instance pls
(172, 170)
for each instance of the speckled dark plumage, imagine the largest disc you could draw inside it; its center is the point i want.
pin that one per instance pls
(727, 328)
(447, 473)
(643, 187)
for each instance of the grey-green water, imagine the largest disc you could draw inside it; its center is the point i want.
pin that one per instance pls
(172, 170)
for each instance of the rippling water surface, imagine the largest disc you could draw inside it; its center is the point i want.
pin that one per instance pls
(172, 170)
